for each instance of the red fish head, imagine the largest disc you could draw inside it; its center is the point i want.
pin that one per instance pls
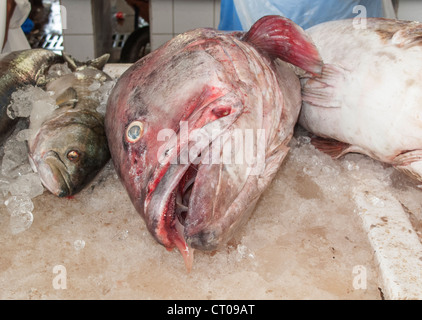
(152, 113)
(199, 83)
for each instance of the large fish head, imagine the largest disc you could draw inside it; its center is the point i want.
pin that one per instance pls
(68, 151)
(152, 111)
(201, 85)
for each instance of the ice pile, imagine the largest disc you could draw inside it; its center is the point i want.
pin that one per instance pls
(19, 184)
(101, 93)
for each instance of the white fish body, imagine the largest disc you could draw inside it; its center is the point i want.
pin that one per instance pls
(369, 98)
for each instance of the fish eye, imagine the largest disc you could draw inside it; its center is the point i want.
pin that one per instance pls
(73, 155)
(134, 132)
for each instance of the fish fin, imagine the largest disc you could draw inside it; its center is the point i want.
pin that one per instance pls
(407, 157)
(97, 63)
(68, 97)
(100, 62)
(335, 149)
(72, 63)
(282, 38)
(410, 163)
(408, 37)
(324, 91)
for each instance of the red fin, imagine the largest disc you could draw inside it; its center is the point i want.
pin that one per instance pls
(335, 149)
(325, 90)
(282, 38)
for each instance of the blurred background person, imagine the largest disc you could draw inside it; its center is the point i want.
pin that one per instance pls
(13, 14)
(241, 14)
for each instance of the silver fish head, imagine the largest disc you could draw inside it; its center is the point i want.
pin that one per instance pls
(69, 151)
(174, 122)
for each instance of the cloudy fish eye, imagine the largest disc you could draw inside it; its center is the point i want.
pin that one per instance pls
(134, 132)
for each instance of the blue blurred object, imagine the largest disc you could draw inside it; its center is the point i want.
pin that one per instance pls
(27, 26)
(305, 13)
(229, 20)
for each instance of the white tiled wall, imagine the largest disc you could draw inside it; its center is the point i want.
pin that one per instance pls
(171, 17)
(168, 18)
(78, 37)
(410, 10)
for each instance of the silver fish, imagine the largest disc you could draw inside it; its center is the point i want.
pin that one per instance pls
(69, 147)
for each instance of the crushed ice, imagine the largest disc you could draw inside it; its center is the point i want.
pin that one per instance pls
(101, 93)
(19, 184)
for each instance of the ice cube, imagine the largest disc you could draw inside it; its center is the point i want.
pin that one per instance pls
(102, 95)
(15, 161)
(58, 70)
(351, 166)
(41, 111)
(94, 86)
(4, 186)
(19, 204)
(22, 101)
(27, 185)
(25, 134)
(304, 140)
(20, 222)
(79, 244)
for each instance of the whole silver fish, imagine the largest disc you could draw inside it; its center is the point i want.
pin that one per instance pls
(17, 69)
(200, 83)
(70, 146)
(368, 99)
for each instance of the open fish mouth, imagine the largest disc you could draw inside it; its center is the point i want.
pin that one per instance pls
(183, 193)
(168, 204)
(54, 175)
